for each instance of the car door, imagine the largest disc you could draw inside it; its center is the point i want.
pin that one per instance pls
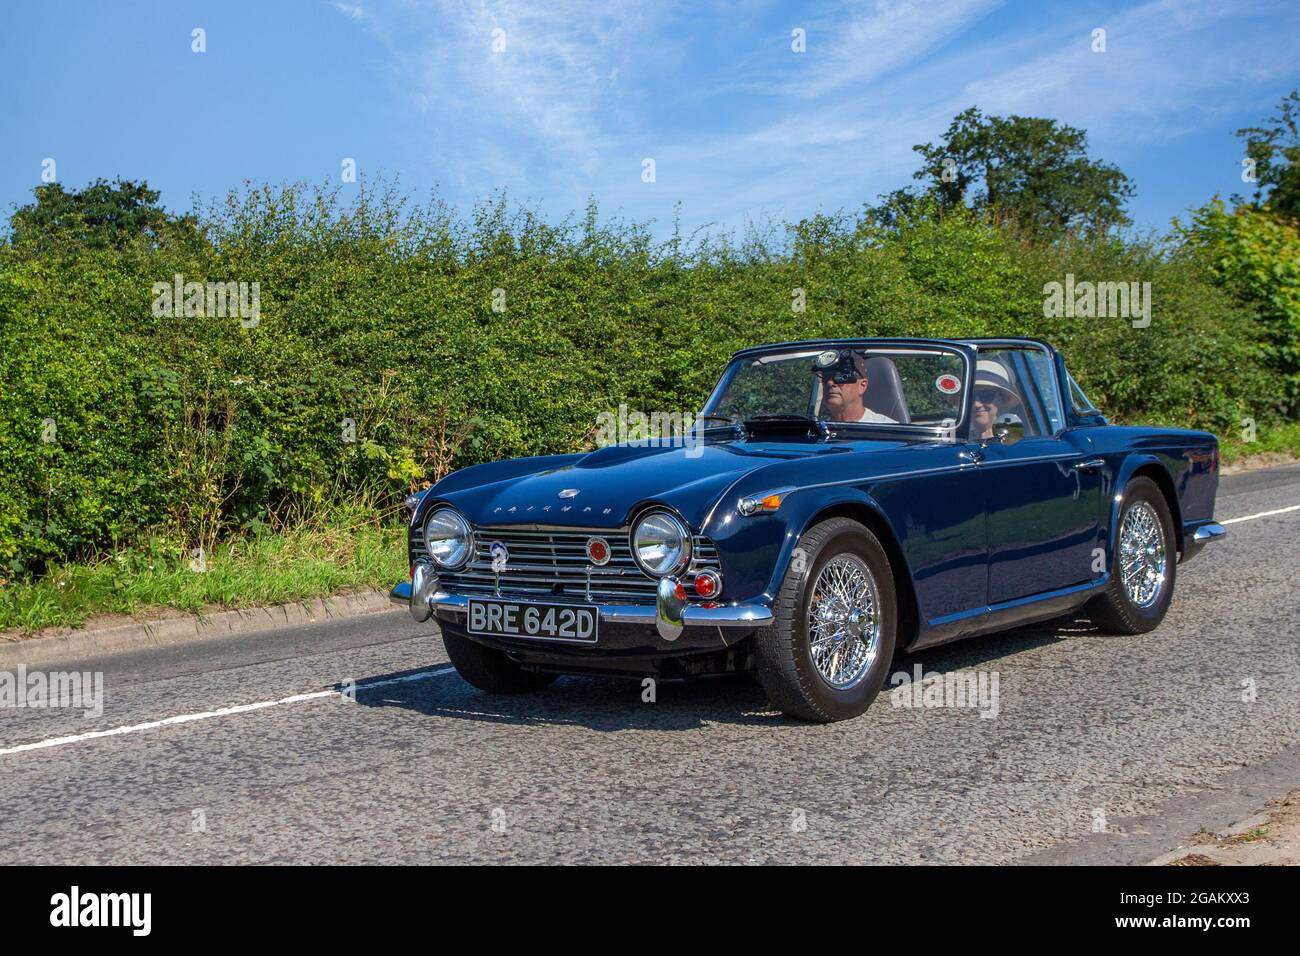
(934, 501)
(1042, 487)
(937, 511)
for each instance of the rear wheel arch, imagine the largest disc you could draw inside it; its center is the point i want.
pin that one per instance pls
(874, 521)
(1116, 608)
(1160, 475)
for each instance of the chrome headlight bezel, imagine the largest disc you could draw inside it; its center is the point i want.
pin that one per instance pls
(678, 558)
(456, 521)
(412, 504)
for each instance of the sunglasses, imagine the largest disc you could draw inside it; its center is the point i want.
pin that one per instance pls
(988, 396)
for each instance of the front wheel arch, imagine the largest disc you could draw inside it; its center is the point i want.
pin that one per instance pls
(875, 522)
(785, 660)
(1157, 473)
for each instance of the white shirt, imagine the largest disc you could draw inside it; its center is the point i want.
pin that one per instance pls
(875, 417)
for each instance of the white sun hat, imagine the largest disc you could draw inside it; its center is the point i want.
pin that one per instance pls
(990, 373)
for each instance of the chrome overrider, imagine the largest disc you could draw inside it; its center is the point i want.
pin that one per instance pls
(1208, 532)
(670, 613)
(1203, 535)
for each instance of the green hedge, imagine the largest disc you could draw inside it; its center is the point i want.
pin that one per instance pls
(383, 314)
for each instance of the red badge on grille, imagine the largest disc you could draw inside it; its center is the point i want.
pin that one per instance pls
(597, 550)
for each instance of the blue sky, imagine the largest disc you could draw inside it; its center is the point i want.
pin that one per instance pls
(741, 128)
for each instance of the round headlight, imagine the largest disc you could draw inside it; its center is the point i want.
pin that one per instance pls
(447, 538)
(660, 544)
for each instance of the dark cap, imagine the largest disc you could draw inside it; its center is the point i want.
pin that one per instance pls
(841, 365)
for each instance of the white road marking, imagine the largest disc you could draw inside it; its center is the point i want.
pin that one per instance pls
(220, 712)
(418, 675)
(1262, 514)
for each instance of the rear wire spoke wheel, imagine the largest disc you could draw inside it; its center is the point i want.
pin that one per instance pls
(1143, 554)
(1144, 560)
(826, 653)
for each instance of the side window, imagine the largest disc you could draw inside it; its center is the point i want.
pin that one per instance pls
(1040, 369)
(1014, 391)
(1079, 401)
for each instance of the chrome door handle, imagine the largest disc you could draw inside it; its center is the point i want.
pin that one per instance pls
(973, 455)
(1092, 464)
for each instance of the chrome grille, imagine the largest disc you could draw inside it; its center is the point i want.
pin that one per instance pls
(553, 562)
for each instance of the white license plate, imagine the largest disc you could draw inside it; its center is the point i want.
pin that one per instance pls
(552, 622)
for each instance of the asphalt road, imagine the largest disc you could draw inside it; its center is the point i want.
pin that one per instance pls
(1092, 731)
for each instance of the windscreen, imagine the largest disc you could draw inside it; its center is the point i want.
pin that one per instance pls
(880, 386)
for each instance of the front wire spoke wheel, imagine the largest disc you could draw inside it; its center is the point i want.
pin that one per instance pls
(843, 621)
(1145, 562)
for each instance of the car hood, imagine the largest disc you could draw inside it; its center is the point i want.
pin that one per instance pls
(603, 488)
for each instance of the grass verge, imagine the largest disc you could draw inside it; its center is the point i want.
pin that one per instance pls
(1281, 440)
(312, 561)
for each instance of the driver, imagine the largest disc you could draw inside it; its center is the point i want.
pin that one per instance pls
(844, 384)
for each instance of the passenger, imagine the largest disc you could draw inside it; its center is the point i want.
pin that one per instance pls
(994, 396)
(844, 384)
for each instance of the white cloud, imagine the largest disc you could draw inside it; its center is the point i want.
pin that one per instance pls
(1169, 66)
(350, 10)
(532, 83)
(866, 40)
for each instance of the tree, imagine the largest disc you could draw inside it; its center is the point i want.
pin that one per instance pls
(102, 215)
(892, 209)
(1275, 153)
(1255, 256)
(1025, 170)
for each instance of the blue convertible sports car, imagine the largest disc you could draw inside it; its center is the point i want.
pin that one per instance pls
(834, 501)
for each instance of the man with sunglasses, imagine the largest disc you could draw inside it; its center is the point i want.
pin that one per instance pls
(843, 376)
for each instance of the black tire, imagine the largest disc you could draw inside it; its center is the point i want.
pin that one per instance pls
(783, 657)
(490, 670)
(1114, 610)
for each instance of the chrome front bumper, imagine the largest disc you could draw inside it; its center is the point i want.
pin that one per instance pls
(670, 613)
